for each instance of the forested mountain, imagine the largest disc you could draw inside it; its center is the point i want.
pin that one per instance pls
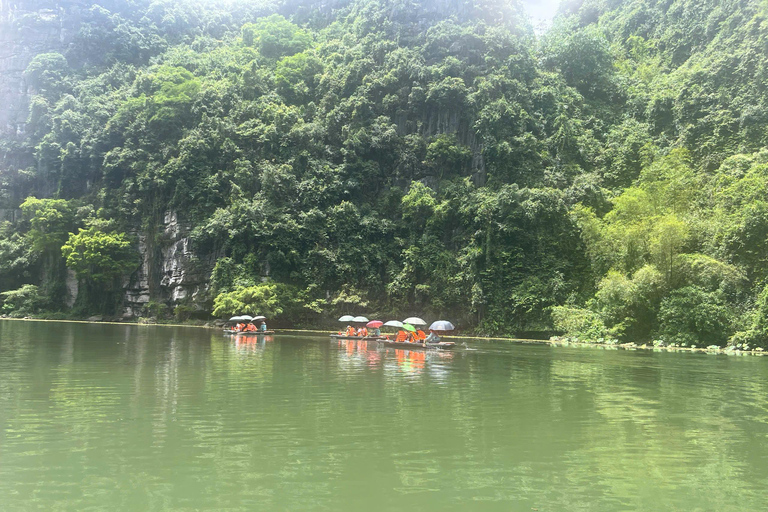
(606, 178)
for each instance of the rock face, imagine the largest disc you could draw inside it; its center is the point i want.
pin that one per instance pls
(72, 288)
(28, 28)
(170, 274)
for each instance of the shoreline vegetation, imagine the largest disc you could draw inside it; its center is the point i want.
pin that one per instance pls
(554, 341)
(606, 179)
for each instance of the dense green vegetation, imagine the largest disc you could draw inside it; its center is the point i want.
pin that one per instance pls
(607, 178)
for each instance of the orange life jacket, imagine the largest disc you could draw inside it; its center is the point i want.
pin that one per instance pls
(401, 336)
(420, 335)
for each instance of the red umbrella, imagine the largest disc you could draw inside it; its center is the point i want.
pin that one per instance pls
(374, 324)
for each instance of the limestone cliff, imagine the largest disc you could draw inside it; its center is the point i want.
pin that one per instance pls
(28, 28)
(170, 272)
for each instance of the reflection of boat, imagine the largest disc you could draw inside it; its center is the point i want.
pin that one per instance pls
(411, 360)
(357, 338)
(445, 345)
(251, 342)
(248, 333)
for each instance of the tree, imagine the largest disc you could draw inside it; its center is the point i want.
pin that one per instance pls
(276, 37)
(268, 299)
(50, 221)
(47, 74)
(97, 256)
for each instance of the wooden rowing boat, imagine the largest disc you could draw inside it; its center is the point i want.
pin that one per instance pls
(357, 338)
(445, 345)
(250, 333)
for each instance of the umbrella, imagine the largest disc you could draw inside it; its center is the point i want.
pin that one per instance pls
(394, 323)
(247, 318)
(374, 324)
(414, 321)
(236, 319)
(360, 319)
(259, 317)
(346, 318)
(409, 327)
(441, 325)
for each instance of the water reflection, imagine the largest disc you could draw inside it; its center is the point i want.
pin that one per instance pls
(251, 343)
(95, 416)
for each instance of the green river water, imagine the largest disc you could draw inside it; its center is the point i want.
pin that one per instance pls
(112, 417)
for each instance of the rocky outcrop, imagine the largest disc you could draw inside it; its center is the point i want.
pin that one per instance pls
(28, 28)
(170, 273)
(72, 288)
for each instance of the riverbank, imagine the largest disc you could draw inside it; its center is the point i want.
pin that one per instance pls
(554, 341)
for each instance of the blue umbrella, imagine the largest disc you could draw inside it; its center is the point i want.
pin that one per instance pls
(441, 325)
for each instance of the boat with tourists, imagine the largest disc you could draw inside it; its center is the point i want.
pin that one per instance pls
(409, 336)
(247, 325)
(234, 332)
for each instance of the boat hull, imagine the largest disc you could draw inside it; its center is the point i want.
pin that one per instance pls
(248, 333)
(444, 345)
(357, 338)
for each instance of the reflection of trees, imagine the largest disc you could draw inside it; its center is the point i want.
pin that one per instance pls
(169, 418)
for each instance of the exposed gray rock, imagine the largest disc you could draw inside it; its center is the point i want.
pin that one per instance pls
(72, 288)
(28, 28)
(170, 272)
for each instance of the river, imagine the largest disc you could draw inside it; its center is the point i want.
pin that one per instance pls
(100, 417)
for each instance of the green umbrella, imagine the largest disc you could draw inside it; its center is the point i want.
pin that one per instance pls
(409, 327)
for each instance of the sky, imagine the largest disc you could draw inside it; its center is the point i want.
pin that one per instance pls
(541, 11)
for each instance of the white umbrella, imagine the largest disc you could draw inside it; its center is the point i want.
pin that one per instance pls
(441, 325)
(346, 318)
(247, 318)
(236, 319)
(394, 323)
(259, 317)
(414, 320)
(360, 319)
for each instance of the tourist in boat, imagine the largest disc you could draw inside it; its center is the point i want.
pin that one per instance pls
(401, 337)
(263, 326)
(251, 327)
(420, 335)
(376, 332)
(412, 338)
(350, 331)
(363, 331)
(432, 338)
